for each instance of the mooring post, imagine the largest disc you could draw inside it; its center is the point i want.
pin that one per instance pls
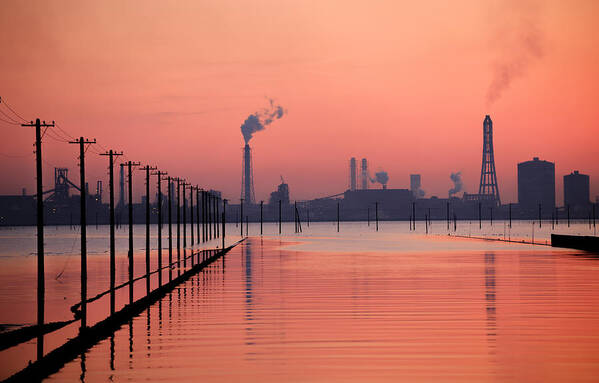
(376, 209)
(241, 217)
(148, 168)
(337, 216)
(539, 215)
(510, 215)
(279, 216)
(210, 215)
(308, 215)
(170, 230)
(247, 224)
(491, 214)
(295, 214)
(426, 223)
(447, 216)
(184, 220)
(368, 217)
(568, 215)
(414, 216)
(261, 217)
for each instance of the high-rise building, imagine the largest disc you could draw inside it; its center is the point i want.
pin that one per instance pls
(536, 185)
(415, 184)
(576, 190)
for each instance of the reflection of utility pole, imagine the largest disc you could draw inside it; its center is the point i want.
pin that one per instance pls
(82, 142)
(111, 154)
(40, 231)
(129, 166)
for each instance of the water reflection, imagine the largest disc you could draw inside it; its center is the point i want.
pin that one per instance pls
(283, 315)
(490, 301)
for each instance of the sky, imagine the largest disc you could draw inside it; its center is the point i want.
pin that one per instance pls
(404, 84)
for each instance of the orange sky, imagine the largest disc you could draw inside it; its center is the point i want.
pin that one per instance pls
(403, 84)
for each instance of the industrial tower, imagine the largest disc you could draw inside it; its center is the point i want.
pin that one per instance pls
(247, 177)
(353, 174)
(488, 176)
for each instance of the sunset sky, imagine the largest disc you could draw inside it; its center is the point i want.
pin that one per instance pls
(405, 84)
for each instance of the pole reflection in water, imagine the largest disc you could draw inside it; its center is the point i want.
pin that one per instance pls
(490, 299)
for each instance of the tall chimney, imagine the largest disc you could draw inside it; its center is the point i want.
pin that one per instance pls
(247, 179)
(353, 173)
(365, 177)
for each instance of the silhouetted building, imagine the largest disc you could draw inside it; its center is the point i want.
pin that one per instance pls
(281, 194)
(536, 185)
(415, 184)
(577, 191)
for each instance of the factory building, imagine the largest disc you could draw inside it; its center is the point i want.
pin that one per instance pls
(536, 185)
(577, 191)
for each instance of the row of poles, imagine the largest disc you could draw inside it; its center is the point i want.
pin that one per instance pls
(207, 225)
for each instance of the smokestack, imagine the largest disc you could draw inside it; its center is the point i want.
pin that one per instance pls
(247, 182)
(416, 186)
(365, 177)
(353, 173)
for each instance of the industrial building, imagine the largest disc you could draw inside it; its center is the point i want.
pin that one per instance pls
(577, 192)
(536, 185)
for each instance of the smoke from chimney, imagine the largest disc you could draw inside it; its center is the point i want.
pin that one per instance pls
(259, 120)
(457, 183)
(382, 177)
(519, 41)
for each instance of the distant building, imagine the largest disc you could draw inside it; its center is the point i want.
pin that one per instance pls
(536, 185)
(353, 174)
(415, 184)
(281, 194)
(576, 190)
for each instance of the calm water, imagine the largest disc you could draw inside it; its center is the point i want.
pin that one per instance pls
(358, 305)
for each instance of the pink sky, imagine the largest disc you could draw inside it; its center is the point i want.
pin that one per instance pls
(403, 84)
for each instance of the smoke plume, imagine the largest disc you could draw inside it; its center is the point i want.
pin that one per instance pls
(457, 183)
(259, 120)
(519, 41)
(382, 177)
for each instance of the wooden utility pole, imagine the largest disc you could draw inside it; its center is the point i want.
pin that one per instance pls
(170, 231)
(159, 185)
(83, 216)
(148, 169)
(41, 286)
(111, 155)
(129, 166)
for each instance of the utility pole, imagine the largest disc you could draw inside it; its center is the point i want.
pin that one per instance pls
(198, 213)
(129, 166)
(178, 226)
(111, 155)
(224, 220)
(193, 242)
(160, 174)
(148, 169)
(41, 286)
(185, 184)
(170, 231)
(83, 216)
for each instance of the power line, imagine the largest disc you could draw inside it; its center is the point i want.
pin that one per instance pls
(9, 117)
(3, 101)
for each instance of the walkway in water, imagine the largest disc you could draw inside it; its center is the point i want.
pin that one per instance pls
(299, 309)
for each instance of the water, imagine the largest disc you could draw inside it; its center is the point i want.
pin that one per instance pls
(358, 305)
